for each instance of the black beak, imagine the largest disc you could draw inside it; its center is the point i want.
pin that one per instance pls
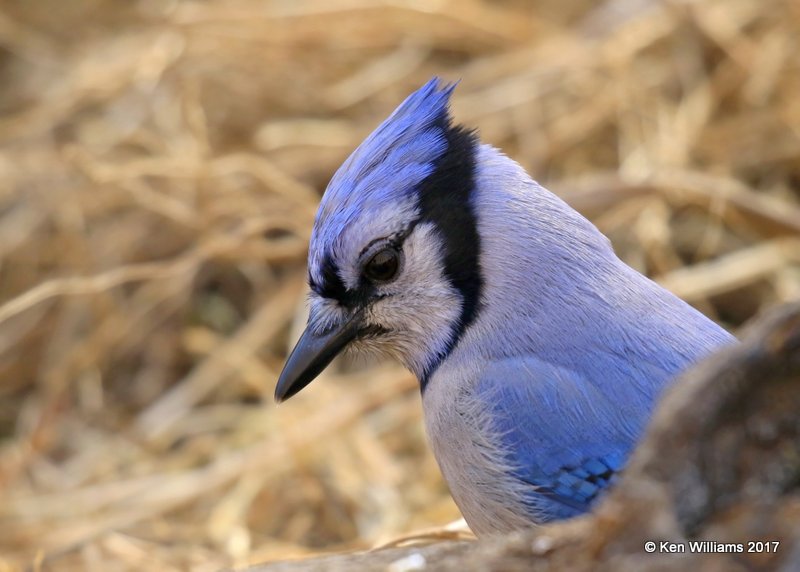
(312, 354)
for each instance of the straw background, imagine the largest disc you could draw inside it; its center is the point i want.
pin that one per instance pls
(160, 166)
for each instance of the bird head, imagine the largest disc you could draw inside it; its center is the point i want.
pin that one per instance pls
(393, 261)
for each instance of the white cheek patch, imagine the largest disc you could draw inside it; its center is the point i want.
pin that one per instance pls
(422, 309)
(424, 253)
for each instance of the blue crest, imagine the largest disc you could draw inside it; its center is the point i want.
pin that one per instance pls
(391, 162)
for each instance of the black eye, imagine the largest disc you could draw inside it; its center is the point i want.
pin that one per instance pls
(383, 266)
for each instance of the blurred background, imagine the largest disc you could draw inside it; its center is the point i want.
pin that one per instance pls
(160, 165)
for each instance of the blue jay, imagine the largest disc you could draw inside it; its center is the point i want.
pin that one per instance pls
(539, 354)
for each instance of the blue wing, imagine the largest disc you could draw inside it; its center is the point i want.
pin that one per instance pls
(568, 435)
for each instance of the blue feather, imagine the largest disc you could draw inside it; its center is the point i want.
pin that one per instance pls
(388, 165)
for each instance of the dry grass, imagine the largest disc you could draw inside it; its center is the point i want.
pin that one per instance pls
(161, 163)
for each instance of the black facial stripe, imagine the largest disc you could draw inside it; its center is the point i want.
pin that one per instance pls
(332, 285)
(333, 288)
(445, 199)
(372, 331)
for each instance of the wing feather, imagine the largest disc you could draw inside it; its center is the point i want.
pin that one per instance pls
(565, 434)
